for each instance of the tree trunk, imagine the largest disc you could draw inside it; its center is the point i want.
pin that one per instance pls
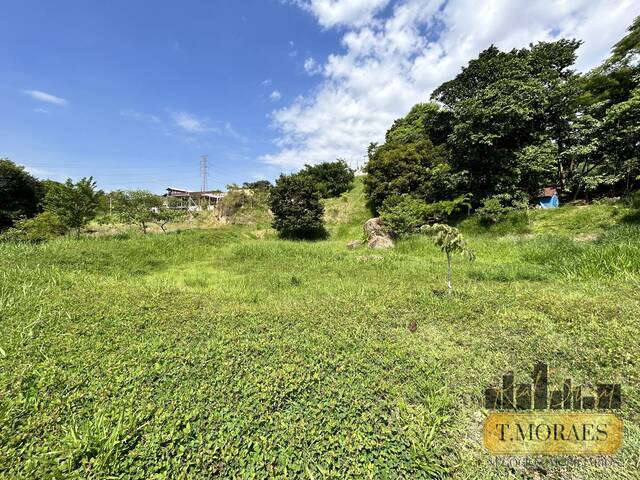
(449, 271)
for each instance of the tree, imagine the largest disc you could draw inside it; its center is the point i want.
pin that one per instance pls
(331, 179)
(259, 185)
(627, 50)
(20, 193)
(139, 207)
(419, 168)
(163, 216)
(504, 102)
(74, 203)
(621, 134)
(450, 241)
(296, 207)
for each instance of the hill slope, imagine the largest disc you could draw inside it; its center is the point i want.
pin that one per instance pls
(215, 353)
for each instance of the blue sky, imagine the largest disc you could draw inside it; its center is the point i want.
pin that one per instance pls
(146, 87)
(134, 92)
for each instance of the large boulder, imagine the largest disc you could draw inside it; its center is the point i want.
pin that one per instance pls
(376, 234)
(381, 242)
(374, 228)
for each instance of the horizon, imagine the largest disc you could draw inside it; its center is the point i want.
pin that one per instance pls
(261, 87)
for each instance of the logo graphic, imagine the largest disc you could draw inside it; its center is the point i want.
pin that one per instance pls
(530, 421)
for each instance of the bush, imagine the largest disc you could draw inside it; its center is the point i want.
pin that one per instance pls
(296, 207)
(495, 208)
(405, 214)
(42, 227)
(331, 179)
(633, 200)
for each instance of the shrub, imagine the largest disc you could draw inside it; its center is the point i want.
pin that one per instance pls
(42, 227)
(405, 214)
(331, 179)
(296, 207)
(633, 200)
(495, 208)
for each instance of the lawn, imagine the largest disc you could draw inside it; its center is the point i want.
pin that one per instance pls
(230, 353)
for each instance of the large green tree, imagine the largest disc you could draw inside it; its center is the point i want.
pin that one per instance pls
(330, 178)
(76, 204)
(297, 210)
(602, 156)
(505, 103)
(20, 193)
(414, 159)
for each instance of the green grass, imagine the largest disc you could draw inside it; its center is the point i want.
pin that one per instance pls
(213, 353)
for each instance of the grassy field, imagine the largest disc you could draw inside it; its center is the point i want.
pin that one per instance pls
(230, 353)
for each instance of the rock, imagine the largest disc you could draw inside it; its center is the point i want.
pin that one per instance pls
(374, 228)
(376, 234)
(354, 244)
(381, 242)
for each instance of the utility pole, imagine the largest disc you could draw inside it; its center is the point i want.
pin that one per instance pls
(203, 172)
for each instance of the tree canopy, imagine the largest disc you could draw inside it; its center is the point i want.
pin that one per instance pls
(296, 207)
(511, 123)
(74, 203)
(20, 193)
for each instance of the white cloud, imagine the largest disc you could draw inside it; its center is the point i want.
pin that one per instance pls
(266, 82)
(331, 13)
(46, 97)
(275, 95)
(389, 64)
(43, 111)
(192, 123)
(142, 117)
(312, 67)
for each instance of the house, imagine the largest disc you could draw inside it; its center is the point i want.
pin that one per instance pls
(549, 198)
(182, 199)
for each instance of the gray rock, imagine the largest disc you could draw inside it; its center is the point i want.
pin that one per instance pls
(374, 228)
(381, 242)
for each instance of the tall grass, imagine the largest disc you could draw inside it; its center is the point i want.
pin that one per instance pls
(214, 353)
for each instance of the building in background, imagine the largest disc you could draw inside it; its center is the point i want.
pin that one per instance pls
(182, 199)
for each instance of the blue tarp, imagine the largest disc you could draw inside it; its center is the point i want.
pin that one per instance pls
(550, 202)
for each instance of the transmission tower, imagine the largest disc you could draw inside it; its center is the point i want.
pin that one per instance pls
(203, 172)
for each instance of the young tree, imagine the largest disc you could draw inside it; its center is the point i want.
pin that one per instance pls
(296, 207)
(450, 241)
(164, 215)
(138, 207)
(20, 193)
(74, 203)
